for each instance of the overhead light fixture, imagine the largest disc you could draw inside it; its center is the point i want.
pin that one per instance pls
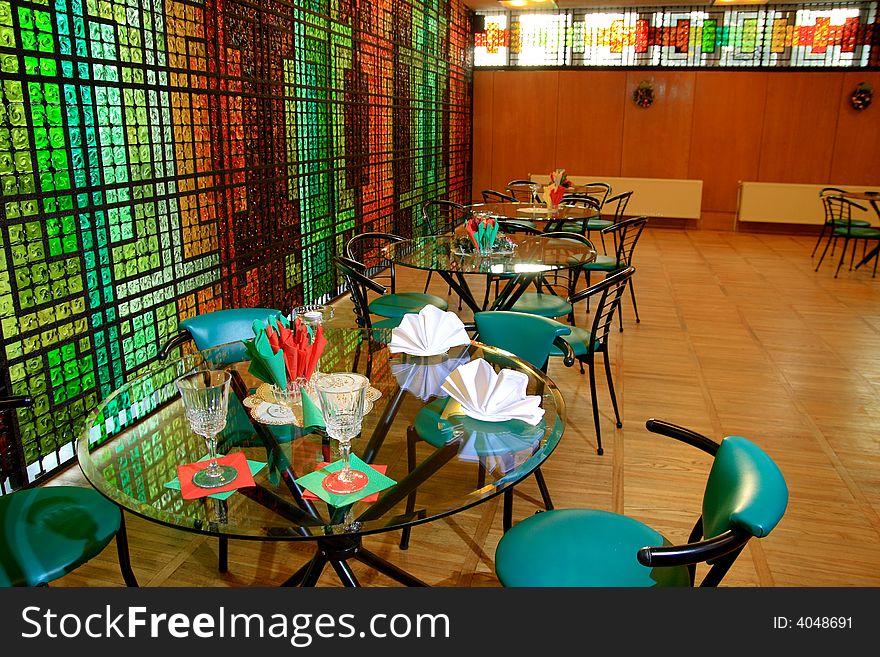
(528, 4)
(740, 2)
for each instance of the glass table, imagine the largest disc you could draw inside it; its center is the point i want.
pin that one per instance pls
(134, 440)
(529, 213)
(530, 259)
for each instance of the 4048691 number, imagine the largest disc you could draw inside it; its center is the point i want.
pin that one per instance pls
(824, 622)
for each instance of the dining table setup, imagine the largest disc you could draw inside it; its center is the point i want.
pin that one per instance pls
(312, 435)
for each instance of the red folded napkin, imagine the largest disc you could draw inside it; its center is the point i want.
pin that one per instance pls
(381, 469)
(237, 460)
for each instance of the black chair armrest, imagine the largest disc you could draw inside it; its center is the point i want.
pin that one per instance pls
(181, 338)
(692, 438)
(684, 555)
(15, 401)
(568, 356)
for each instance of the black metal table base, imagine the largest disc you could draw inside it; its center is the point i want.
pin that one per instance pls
(336, 552)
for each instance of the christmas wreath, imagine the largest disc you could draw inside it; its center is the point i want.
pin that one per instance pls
(862, 96)
(643, 96)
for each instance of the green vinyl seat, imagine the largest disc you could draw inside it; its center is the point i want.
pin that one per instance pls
(47, 532)
(542, 304)
(399, 304)
(745, 497)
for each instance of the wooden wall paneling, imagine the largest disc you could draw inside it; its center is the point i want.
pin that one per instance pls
(524, 124)
(726, 140)
(800, 120)
(483, 119)
(856, 158)
(590, 125)
(656, 140)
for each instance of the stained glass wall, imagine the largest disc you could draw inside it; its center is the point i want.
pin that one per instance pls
(812, 35)
(161, 158)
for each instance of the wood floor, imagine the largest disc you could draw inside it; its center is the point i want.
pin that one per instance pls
(738, 337)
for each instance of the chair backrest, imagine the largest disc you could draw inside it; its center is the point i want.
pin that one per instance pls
(529, 337)
(626, 235)
(13, 471)
(745, 490)
(441, 216)
(492, 196)
(571, 275)
(358, 286)
(222, 326)
(598, 190)
(745, 497)
(524, 191)
(837, 208)
(368, 249)
(619, 201)
(609, 292)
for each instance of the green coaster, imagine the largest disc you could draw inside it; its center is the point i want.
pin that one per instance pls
(255, 467)
(377, 481)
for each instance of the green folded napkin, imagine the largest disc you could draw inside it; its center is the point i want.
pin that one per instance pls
(377, 481)
(254, 466)
(312, 415)
(265, 364)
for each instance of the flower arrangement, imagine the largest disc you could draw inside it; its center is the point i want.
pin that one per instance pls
(554, 192)
(501, 244)
(643, 95)
(862, 96)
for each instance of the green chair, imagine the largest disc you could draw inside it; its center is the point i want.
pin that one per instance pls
(844, 227)
(359, 285)
(218, 327)
(556, 301)
(745, 497)
(530, 338)
(585, 344)
(48, 532)
(439, 217)
(838, 214)
(626, 235)
(368, 250)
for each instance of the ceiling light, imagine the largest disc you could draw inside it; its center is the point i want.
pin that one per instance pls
(740, 2)
(527, 4)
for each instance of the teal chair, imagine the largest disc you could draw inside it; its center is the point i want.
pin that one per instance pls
(585, 344)
(556, 301)
(745, 497)
(359, 285)
(219, 327)
(367, 250)
(626, 235)
(48, 532)
(530, 338)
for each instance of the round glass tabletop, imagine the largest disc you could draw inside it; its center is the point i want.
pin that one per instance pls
(134, 441)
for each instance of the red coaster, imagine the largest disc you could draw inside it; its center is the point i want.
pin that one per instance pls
(237, 460)
(308, 495)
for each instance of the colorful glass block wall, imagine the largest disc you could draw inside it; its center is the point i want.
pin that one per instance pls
(162, 158)
(813, 35)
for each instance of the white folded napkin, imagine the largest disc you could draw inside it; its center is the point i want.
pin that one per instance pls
(485, 395)
(429, 332)
(423, 379)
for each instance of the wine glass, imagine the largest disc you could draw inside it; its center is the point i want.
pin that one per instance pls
(342, 396)
(205, 397)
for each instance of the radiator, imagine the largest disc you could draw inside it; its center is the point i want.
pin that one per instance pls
(653, 197)
(787, 203)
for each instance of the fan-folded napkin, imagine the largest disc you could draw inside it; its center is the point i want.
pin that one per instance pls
(429, 332)
(493, 397)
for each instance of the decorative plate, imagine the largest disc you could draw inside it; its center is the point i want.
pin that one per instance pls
(264, 409)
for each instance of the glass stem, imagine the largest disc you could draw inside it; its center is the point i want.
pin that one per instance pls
(213, 468)
(345, 451)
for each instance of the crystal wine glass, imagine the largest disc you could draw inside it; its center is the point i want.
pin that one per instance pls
(342, 397)
(205, 397)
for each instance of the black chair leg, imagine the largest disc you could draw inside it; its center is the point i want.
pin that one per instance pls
(223, 556)
(819, 241)
(507, 521)
(545, 492)
(411, 498)
(632, 293)
(591, 365)
(611, 390)
(428, 281)
(842, 256)
(123, 553)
